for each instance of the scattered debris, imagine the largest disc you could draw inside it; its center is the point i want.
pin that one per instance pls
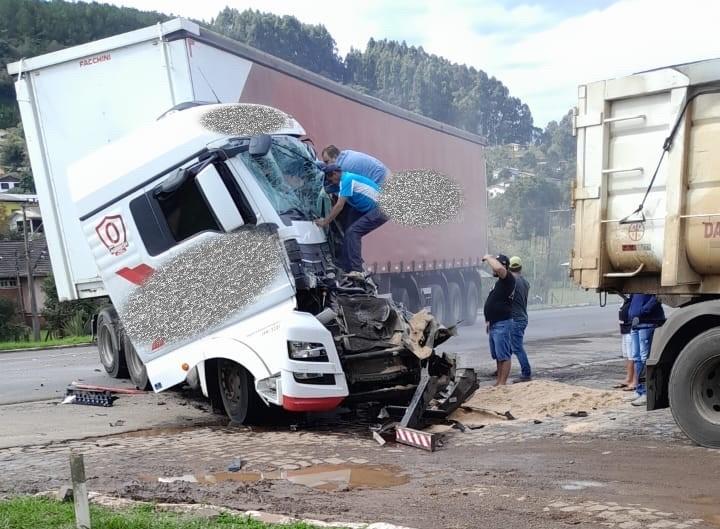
(576, 414)
(509, 416)
(236, 465)
(119, 422)
(379, 438)
(88, 397)
(64, 493)
(537, 421)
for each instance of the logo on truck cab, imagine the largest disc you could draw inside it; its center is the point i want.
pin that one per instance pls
(113, 234)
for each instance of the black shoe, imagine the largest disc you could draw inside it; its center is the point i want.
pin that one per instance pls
(521, 379)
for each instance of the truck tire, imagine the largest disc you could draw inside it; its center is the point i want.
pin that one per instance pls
(401, 295)
(237, 390)
(471, 303)
(136, 368)
(108, 342)
(438, 305)
(454, 311)
(694, 389)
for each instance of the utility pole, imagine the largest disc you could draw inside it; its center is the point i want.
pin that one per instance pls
(31, 280)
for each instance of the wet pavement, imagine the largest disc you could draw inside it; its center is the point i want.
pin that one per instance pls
(619, 467)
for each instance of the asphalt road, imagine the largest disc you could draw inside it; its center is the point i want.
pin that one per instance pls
(40, 375)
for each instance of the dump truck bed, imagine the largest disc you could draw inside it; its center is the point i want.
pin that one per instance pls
(671, 245)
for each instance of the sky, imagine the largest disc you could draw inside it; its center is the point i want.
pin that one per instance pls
(540, 49)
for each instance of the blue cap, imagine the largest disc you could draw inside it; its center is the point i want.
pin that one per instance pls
(328, 167)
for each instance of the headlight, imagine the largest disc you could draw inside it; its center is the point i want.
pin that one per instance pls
(308, 352)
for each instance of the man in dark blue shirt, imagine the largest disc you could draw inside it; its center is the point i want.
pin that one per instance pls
(646, 313)
(520, 319)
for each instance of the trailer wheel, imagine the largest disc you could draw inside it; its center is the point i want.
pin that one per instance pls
(242, 404)
(111, 356)
(438, 305)
(454, 312)
(135, 366)
(694, 389)
(471, 304)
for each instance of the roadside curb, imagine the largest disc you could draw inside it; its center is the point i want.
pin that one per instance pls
(211, 511)
(46, 348)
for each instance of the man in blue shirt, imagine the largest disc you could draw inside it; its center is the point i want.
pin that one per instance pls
(356, 162)
(646, 313)
(361, 195)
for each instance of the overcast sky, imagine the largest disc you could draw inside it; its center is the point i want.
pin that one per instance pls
(541, 49)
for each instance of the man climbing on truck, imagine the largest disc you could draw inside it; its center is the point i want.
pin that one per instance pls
(363, 215)
(356, 162)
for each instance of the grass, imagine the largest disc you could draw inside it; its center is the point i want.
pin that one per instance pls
(40, 513)
(42, 344)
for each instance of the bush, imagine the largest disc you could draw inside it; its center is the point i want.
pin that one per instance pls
(65, 318)
(10, 328)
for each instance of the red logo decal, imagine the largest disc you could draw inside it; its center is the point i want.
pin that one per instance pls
(157, 344)
(137, 275)
(113, 235)
(95, 60)
(712, 230)
(636, 231)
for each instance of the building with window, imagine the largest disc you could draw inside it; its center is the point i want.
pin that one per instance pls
(7, 182)
(11, 205)
(14, 283)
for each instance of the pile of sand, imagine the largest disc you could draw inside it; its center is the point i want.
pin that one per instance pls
(538, 399)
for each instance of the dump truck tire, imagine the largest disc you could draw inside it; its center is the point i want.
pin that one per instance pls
(109, 347)
(471, 304)
(136, 368)
(694, 389)
(454, 311)
(438, 305)
(237, 390)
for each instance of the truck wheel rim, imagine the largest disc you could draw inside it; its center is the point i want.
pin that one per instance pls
(707, 393)
(106, 347)
(230, 384)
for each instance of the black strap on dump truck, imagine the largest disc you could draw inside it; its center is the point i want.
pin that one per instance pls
(667, 145)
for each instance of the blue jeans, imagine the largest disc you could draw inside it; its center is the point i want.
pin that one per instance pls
(351, 257)
(499, 337)
(642, 336)
(517, 335)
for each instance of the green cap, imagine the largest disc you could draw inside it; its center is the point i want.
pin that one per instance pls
(515, 262)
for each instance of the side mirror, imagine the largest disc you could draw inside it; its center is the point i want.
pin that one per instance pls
(260, 145)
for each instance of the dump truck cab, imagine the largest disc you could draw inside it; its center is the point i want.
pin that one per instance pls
(173, 184)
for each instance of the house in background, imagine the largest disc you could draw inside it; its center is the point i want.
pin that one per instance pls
(11, 205)
(8, 182)
(14, 284)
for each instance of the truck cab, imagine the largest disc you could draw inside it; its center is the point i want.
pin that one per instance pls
(148, 197)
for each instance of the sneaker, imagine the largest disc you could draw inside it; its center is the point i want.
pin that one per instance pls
(520, 380)
(640, 401)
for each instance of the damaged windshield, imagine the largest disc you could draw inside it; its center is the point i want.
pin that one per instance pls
(290, 179)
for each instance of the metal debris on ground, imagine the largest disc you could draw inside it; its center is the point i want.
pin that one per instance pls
(88, 397)
(236, 465)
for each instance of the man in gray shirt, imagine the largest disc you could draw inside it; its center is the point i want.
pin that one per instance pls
(520, 319)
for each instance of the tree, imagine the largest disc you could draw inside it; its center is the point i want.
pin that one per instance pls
(14, 159)
(526, 203)
(58, 314)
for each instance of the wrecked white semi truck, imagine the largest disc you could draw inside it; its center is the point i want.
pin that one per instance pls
(161, 187)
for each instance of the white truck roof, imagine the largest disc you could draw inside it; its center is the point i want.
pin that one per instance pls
(138, 158)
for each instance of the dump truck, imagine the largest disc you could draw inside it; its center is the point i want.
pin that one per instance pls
(647, 220)
(122, 111)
